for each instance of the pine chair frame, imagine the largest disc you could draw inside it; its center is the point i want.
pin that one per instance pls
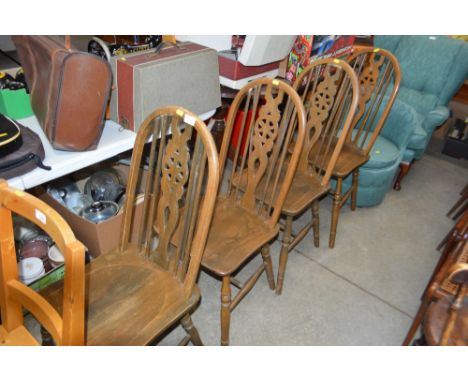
(378, 71)
(256, 182)
(329, 91)
(14, 295)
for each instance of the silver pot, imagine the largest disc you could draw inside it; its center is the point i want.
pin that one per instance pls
(100, 211)
(104, 185)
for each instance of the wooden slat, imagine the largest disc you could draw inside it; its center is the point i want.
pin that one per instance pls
(39, 308)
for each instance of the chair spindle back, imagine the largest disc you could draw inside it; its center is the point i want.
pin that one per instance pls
(379, 79)
(330, 93)
(179, 190)
(257, 180)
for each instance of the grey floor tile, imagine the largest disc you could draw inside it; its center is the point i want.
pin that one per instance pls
(390, 249)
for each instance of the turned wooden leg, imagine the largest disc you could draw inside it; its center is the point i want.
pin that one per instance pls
(191, 330)
(225, 310)
(268, 266)
(416, 322)
(354, 190)
(404, 169)
(316, 222)
(284, 254)
(335, 212)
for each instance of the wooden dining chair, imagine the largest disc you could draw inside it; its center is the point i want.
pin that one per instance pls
(443, 285)
(66, 329)
(147, 284)
(461, 205)
(329, 91)
(379, 78)
(249, 206)
(446, 320)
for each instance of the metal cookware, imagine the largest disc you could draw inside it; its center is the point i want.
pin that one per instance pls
(100, 211)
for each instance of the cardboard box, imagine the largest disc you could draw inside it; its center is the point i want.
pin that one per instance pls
(98, 238)
(231, 68)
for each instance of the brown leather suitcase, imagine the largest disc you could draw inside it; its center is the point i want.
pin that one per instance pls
(69, 90)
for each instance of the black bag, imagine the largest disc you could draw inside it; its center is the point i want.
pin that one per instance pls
(21, 153)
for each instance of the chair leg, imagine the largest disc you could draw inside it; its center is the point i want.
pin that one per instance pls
(268, 266)
(316, 222)
(284, 254)
(416, 322)
(354, 190)
(191, 330)
(225, 310)
(404, 169)
(335, 212)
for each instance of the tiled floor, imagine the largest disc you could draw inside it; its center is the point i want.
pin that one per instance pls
(363, 292)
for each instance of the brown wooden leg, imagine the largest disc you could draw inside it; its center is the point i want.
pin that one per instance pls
(355, 189)
(316, 222)
(191, 330)
(225, 310)
(335, 212)
(404, 169)
(268, 266)
(283, 260)
(416, 322)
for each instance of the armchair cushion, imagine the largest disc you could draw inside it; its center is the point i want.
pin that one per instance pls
(384, 153)
(400, 124)
(426, 61)
(433, 68)
(420, 101)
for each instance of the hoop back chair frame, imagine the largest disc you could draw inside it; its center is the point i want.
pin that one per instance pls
(256, 187)
(264, 139)
(329, 91)
(162, 211)
(67, 329)
(147, 284)
(377, 70)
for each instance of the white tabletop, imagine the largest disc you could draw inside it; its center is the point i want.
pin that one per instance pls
(114, 140)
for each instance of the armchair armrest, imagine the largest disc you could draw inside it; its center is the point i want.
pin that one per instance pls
(435, 118)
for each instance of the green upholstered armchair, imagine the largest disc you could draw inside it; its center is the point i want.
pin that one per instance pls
(377, 174)
(432, 69)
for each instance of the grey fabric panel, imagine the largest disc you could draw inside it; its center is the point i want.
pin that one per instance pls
(189, 80)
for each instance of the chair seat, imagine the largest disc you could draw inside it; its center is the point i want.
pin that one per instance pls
(235, 235)
(435, 321)
(349, 159)
(17, 337)
(129, 300)
(305, 188)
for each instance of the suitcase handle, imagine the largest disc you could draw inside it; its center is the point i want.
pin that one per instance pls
(166, 44)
